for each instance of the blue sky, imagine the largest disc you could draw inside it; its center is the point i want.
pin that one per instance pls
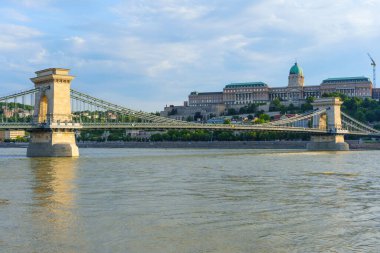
(145, 54)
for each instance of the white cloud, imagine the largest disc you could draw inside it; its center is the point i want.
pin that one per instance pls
(76, 40)
(146, 10)
(160, 67)
(140, 56)
(172, 47)
(185, 12)
(236, 41)
(324, 21)
(16, 38)
(12, 14)
(18, 31)
(39, 57)
(33, 3)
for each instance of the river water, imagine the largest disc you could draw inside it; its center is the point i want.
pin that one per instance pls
(181, 200)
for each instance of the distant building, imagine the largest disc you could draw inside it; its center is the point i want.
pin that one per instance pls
(11, 134)
(205, 98)
(188, 112)
(350, 86)
(376, 93)
(296, 91)
(245, 93)
(236, 95)
(140, 134)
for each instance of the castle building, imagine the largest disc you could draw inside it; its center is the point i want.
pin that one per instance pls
(350, 86)
(295, 92)
(235, 95)
(205, 98)
(245, 93)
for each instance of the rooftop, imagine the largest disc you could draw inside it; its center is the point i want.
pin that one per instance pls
(52, 71)
(346, 79)
(296, 70)
(246, 85)
(206, 93)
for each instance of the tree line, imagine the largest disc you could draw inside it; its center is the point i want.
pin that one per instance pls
(189, 135)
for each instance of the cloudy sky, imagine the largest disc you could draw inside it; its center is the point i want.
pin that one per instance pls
(145, 54)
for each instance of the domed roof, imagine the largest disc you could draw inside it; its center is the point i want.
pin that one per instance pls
(296, 70)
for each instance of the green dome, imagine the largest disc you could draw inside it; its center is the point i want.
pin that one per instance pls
(296, 70)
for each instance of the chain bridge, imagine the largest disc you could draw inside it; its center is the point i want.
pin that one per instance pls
(53, 112)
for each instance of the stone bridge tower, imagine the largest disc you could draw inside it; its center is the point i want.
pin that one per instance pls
(52, 114)
(330, 121)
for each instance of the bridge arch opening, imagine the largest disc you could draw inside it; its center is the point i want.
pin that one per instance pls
(42, 114)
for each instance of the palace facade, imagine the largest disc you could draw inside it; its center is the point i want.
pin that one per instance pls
(236, 95)
(296, 92)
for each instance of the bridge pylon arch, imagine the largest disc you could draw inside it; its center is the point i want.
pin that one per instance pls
(54, 134)
(332, 122)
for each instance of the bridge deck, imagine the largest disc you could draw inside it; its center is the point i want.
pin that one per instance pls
(189, 126)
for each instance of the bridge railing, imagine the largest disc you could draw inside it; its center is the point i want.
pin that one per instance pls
(355, 125)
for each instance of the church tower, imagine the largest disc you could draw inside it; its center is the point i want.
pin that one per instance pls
(296, 78)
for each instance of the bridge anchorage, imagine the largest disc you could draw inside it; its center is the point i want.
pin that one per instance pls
(52, 112)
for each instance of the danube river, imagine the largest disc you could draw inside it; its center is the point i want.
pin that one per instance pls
(188, 200)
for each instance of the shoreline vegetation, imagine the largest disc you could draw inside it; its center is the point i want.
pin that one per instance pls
(354, 144)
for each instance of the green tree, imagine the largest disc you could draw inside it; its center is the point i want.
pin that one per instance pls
(292, 109)
(275, 105)
(227, 121)
(198, 116)
(243, 110)
(231, 111)
(360, 116)
(263, 118)
(307, 106)
(156, 137)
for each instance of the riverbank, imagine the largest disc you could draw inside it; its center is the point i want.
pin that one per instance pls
(201, 144)
(13, 145)
(354, 145)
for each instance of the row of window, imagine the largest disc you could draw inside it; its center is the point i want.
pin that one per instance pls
(244, 90)
(248, 102)
(278, 90)
(206, 101)
(345, 81)
(249, 96)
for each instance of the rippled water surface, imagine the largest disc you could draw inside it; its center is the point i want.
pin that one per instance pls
(152, 200)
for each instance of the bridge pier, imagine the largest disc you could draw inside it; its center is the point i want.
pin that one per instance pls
(327, 143)
(54, 136)
(50, 143)
(330, 121)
